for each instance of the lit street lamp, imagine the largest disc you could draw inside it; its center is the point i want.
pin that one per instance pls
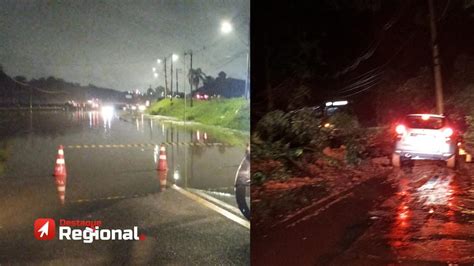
(174, 57)
(226, 27)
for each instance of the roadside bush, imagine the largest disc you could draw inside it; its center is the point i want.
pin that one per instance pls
(296, 129)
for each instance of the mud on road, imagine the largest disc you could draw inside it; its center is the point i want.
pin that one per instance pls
(421, 214)
(429, 220)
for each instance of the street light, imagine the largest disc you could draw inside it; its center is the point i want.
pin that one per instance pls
(226, 27)
(158, 61)
(155, 74)
(174, 57)
(154, 69)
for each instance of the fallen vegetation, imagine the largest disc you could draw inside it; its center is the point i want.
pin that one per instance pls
(296, 160)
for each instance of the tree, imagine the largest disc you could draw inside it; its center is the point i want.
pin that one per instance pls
(195, 77)
(150, 91)
(160, 91)
(222, 75)
(21, 79)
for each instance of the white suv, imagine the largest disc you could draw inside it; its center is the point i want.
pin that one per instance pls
(425, 137)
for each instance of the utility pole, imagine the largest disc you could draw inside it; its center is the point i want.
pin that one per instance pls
(171, 82)
(31, 99)
(191, 76)
(166, 80)
(177, 88)
(436, 61)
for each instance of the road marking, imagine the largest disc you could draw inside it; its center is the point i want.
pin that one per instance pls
(213, 207)
(110, 198)
(144, 145)
(219, 202)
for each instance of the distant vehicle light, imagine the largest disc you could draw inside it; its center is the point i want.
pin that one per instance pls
(147, 103)
(448, 132)
(327, 125)
(339, 103)
(329, 104)
(198, 96)
(141, 108)
(400, 129)
(425, 117)
(107, 111)
(206, 96)
(134, 107)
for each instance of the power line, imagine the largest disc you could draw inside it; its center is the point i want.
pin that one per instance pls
(379, 71)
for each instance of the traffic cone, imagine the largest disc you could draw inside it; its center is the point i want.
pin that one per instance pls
(60, 167)
(61, 188)
(162, 164)
(162, 176)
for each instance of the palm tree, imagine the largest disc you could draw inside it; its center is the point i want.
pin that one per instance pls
(195, 77)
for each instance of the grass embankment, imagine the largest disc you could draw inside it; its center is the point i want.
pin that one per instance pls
(227, 113)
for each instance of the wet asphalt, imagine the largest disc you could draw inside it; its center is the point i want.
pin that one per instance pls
(112, 177)
(422, 214)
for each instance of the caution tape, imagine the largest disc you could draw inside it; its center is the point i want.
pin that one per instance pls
(147, 145)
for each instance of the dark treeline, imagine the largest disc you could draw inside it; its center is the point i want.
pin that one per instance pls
(375, 53)
(16, 91)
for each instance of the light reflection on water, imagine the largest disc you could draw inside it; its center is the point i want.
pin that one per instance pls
(425, 212)
(203, 166)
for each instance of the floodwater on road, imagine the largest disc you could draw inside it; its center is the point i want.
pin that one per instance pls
(106, 158)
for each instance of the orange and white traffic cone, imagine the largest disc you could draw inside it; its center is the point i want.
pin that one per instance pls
(61, 187)
(162, 176)
(60, 167)
(162, 164)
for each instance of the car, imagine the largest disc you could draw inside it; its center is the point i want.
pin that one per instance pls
(425, 137)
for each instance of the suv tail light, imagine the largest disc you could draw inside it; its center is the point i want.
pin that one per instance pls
(400, 129)
(448, 132)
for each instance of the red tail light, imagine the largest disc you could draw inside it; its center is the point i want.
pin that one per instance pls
(448, 132)
(400, 129)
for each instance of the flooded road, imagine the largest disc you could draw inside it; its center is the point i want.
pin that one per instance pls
(111, 175)
(429, 220)
(422, 214)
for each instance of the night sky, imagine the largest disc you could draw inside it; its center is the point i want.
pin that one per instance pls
(335, 49)
(115, 44)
